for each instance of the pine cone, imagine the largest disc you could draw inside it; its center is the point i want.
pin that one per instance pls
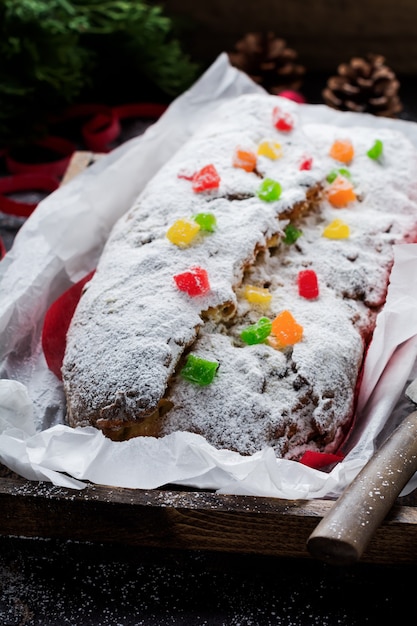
(364, 85)
(268, 61)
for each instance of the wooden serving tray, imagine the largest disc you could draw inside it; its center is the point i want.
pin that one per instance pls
(185, 519)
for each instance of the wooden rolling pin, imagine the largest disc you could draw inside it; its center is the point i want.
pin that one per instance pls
(344, 533)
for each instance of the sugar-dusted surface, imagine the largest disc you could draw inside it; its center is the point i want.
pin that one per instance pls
(133, 325)
(305, 396)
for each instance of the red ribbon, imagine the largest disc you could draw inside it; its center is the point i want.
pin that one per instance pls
(62, 147)
(100, 129)
(103, 123)
(24, 182)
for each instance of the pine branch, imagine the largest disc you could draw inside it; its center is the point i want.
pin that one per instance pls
(54, 51)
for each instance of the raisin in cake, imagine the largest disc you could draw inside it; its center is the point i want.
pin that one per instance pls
(216, 246)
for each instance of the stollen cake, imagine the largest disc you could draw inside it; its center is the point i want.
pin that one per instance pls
(237, 297)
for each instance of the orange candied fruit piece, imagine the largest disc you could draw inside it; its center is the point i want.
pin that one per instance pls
(342, 150)
(245, 159)
(285, 330)
(257, 295)
(340, 193)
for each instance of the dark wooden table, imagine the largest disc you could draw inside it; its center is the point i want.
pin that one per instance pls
(53, 583)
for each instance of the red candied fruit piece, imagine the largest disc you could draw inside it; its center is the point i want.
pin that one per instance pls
(205, 179)
(282, 120)
(308, 286)
(306, 163)
(194, 281)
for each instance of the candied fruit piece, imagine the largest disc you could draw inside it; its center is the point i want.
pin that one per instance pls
(340, 193)
(376, 151)
(331, 177)
(182, 232)
(245, 159)
(206, 221)
(291, 234)
(308, 286)
(286, 330)
(198, 370)
(270, 149)
(257, 295)
(205, 179)
(282, 120)
(338, 229)
(269, 190)
(194, 281)
(342, 150)
(257, 333)
(306, 164)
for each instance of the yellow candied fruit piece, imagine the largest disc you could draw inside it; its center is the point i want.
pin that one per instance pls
(257, 295)
(342, 150)
(285, 330)
(338, 229)
(182, 232)
(340, 193)
(270, 149)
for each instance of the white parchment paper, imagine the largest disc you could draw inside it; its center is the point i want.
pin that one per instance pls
(61, 242)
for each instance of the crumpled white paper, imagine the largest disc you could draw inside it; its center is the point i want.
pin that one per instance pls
(61, 242)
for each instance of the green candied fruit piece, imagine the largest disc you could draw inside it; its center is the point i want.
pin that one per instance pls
(291, 234)
(257, 333)
(198, 370)
(206, 221)
(376, 151)
(269, 190)
(335, 173)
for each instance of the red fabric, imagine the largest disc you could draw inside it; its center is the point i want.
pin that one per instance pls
(318, 460)
(56, 324)
(2, 249)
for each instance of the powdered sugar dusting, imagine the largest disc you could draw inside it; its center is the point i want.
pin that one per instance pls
(132, 325)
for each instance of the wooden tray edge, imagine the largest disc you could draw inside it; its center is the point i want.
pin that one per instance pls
(187, 520)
